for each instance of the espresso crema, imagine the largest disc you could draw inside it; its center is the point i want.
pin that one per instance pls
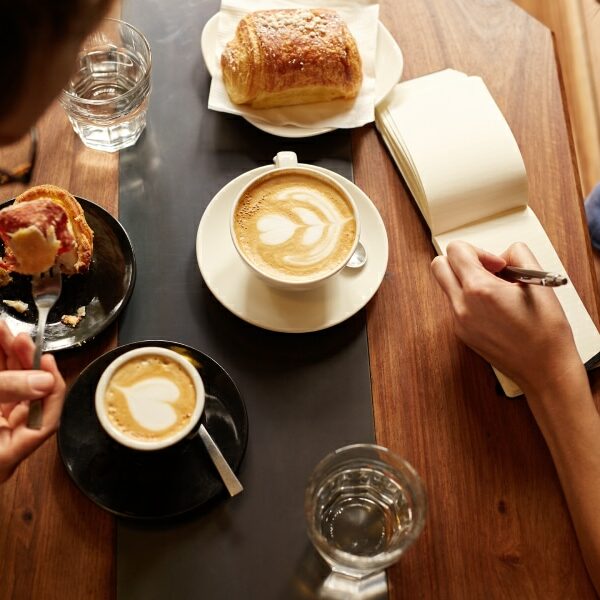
(294, 226)
(150, 398)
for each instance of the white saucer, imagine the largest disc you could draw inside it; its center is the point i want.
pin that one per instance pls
(389, 64)
(252, 300)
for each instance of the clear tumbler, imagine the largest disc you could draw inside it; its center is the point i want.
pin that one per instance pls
(107, 97)
(364, 507)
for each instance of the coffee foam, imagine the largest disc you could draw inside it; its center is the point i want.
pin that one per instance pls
(150, 398)
(294, 225)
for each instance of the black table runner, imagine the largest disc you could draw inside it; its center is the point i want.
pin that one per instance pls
(306, 394)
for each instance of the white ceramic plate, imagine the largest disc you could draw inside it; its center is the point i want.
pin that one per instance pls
(252, 300)
(389, 64)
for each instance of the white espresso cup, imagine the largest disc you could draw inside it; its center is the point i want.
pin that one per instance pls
(149, 398)
(294, 226)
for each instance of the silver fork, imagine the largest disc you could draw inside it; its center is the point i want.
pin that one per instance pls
(45, 289)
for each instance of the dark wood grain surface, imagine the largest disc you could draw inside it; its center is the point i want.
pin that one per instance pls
(498, 526)
(54, 542)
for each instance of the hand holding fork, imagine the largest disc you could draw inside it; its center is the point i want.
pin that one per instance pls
(45, 289)
(19, 385)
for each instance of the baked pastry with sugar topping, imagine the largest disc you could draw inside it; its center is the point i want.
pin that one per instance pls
(79, 257)
(291, 56)
(34, 234)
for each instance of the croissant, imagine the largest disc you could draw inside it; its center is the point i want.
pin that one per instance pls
(291, 56)
(78, 259)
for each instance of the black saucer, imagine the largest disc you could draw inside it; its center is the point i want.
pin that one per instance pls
(155, 484)
(104, 290)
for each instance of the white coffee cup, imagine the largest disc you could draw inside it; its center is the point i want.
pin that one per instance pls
(305, 242)
(160, 408)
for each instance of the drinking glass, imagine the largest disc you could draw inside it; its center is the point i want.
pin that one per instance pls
(107, 97)
(364, 507)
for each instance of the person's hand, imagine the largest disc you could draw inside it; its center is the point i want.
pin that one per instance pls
(520, 329)
(18, 385)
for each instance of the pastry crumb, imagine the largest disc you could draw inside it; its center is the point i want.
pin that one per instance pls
(74, 320)
(18, 305)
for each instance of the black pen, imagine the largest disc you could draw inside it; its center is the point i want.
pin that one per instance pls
(533, 277)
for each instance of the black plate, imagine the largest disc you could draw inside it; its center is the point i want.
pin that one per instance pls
(151, 484)
(104, 290)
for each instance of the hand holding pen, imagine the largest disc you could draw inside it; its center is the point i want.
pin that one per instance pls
(520, 329)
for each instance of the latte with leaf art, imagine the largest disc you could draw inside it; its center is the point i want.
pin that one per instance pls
(295, 226)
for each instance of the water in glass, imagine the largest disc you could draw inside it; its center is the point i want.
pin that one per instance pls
(364, 507)
(363, 512)
(107, 97)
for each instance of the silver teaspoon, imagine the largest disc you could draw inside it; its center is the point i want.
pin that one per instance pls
(359, 258)
(232, 483)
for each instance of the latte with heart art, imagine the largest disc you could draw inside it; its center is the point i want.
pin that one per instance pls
(295, 226)
(150, 397)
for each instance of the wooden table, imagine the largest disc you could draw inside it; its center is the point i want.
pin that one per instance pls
(498, 525)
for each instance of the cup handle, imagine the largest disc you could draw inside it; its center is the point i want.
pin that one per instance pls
(285, 159)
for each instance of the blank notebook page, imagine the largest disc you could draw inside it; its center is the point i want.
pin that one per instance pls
(464, 168)
(459, 148)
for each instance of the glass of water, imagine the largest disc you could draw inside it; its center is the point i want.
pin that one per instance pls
(364, 507)
(107, 97)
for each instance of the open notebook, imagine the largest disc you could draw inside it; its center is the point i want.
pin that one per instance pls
(463, 166)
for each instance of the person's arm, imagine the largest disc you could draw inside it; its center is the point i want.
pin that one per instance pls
(522, 330)
(570, 424)
(18, 385)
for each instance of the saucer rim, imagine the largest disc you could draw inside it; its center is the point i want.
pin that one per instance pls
(352, 189)
(243, 428)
